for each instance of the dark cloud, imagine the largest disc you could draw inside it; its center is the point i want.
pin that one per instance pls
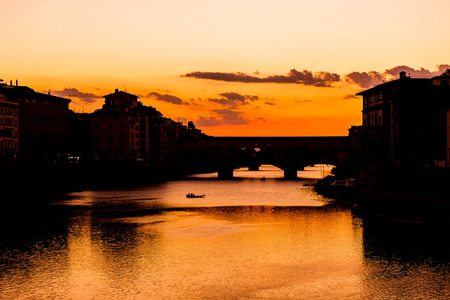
(71, 92)
(208, 122)
(320, 79)
(222, 117)
(222, 101)
(232, 77)
(417, 73)
(233, 96)
(372, 78)
(166, 98)
(350, 96)
(304, 101)
(182, 120)
(365, 79)
(233, 100)
(251, 98)
(231, 117)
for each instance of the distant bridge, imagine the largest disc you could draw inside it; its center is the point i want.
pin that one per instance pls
(224, 154)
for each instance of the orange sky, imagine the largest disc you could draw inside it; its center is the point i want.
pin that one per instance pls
(247, 67)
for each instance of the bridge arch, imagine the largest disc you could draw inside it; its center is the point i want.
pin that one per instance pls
(224, 154)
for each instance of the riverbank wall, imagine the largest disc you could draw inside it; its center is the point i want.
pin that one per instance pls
(411, 194)
(23, 180)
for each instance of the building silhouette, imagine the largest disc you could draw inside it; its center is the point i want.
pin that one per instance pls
(405, 122)
(126, 130)
(40, 128)
(9, 128)
(39, 123)
(120, 130)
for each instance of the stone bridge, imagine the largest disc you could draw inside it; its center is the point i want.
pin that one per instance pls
(224, 154)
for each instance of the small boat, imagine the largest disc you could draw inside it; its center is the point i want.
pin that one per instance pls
(192, 195)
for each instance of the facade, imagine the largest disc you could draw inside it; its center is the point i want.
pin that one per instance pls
(44, 124)
(448, 138)
(9, 129)
(40, 128)
(120, 130)
(42, 121)
(405, 121)
(126, 130)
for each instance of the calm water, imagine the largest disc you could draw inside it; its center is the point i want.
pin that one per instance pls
(247, 239)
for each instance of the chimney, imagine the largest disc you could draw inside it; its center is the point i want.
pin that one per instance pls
(17, 82)
(117, 90)
(10, 82)
(403, 75)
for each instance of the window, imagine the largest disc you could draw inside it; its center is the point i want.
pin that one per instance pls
(8, 132)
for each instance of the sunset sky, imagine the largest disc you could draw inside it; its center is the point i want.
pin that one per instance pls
(234, 67)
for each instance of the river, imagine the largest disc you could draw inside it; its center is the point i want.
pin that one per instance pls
(246, 239)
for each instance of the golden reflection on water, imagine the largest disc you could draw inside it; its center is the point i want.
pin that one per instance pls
(246, 239)
(228, 252)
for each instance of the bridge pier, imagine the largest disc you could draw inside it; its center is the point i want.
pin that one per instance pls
(253, 167)
(225, 173)
(290, 173)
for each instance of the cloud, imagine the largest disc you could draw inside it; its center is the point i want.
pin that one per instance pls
(365, 79)
(372, 78)
(208, 122)
(72, 92)
(417, 73)
(182, 120)
(231, 117)
(166, 98)
(305, 77)
(350, 96)
(233, 100)
(222, 117)
(303, 101)
(233, 96)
